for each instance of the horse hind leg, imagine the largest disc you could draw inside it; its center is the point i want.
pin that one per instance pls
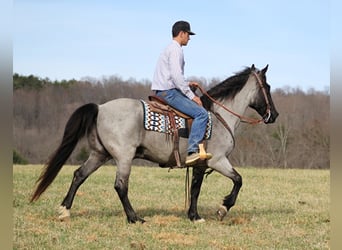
(121, 187)
(95, 160)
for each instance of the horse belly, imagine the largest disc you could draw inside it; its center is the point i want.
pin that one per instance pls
(158, 147)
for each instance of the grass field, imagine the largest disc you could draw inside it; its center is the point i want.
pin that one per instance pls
(276, 209)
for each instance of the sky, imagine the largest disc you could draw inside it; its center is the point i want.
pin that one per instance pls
(74, 39)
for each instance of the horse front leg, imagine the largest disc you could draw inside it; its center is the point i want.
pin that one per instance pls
(229, 200)
(196, 183)
(225, 168)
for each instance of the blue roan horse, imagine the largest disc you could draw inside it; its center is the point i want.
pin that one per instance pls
(115, 131)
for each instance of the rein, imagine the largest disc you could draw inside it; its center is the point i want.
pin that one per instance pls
(249, 120)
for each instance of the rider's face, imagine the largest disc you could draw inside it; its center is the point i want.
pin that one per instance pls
(185, 37)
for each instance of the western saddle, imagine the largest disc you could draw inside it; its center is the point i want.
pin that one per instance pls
(158, 105)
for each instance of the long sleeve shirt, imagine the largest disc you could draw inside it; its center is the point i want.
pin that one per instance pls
(169, 72)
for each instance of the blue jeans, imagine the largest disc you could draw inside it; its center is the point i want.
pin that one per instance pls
(176, 99)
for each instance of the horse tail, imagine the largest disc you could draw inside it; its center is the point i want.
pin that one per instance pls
(78, 125)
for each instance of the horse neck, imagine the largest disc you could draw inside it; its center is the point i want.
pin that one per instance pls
(238, 105)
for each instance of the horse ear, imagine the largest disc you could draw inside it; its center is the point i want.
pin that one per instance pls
(264, 69)
(253, 67)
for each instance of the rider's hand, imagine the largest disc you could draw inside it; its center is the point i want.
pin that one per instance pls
(194, 84)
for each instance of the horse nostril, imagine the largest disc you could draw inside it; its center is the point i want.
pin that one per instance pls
(273, 118)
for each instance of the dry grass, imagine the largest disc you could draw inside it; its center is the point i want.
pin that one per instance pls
(276, 209)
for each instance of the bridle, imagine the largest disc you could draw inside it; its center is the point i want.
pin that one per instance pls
(249, 120)
(267, 115)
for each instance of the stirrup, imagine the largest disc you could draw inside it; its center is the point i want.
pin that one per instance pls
(203, 154)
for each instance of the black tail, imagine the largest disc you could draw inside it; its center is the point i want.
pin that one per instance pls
(80, 122)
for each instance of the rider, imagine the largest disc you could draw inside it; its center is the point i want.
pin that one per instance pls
(169, 84)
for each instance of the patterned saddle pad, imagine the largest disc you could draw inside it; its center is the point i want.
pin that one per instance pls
(159, 122)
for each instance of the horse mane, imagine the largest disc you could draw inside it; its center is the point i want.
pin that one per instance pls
(228, 88)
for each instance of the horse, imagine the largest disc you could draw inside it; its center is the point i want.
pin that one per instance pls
(115, 131)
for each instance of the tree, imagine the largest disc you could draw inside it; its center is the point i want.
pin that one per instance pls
(18, 159)
(299, 138)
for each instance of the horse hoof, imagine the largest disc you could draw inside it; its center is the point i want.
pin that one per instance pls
(199, 221)
(135, 220)
(221, 212)
(64, 213)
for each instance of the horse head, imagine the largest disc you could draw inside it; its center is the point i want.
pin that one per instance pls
(257, 94)
(262, 101)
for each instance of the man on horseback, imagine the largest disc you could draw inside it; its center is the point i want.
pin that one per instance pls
(169, 84)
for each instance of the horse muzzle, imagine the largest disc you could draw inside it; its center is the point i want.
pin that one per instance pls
(270, 116)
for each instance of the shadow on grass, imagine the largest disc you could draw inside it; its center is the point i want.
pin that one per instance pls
(208, 213)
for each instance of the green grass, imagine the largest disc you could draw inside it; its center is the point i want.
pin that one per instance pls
(276, 209)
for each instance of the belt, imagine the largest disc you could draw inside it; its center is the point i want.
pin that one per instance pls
(158, 91)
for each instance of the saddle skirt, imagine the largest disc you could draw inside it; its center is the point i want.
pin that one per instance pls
(162, 118)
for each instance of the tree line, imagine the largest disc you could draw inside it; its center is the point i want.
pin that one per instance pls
(41, 108)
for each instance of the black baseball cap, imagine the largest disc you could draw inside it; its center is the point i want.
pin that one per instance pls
(181, 26)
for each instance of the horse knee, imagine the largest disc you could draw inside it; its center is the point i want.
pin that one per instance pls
(237, 179)
(117, 185)
(83, 172)
(121, 187)
(78, 175)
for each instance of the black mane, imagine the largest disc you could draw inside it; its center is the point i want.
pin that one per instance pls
(228, 88)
